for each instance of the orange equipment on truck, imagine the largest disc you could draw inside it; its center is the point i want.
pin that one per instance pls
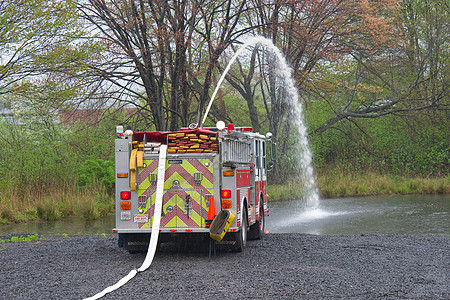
(208, 172)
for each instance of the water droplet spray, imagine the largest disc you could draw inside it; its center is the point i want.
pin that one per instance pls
(284, 71)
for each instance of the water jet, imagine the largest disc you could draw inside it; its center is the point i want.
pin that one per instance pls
(284, 71)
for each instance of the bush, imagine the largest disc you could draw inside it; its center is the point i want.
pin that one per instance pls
(417, 145)
(96, 171)
(43, 165)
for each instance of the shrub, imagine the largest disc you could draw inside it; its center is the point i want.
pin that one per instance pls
(96, 171)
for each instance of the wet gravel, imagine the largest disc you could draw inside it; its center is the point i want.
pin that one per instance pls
(282, 266)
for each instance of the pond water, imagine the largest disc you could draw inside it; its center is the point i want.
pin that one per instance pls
(415, 214)
(68, 225)
(412, 214)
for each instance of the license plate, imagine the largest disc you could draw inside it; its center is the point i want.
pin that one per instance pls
(140, 218)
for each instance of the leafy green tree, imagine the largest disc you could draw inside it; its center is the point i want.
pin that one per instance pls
(29, 30)
(398, 76)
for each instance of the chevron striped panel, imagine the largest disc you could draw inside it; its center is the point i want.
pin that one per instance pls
(184, 204)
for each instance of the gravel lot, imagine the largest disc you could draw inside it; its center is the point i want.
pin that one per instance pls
(282, 266)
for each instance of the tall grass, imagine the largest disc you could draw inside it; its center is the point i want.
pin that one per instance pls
(287, 191)
(365, 184)
(66, 200)
(49, 172)
(332, 185)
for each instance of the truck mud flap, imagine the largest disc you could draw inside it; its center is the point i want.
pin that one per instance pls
(135, 242)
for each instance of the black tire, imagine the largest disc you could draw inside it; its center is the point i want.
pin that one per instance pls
(241, 236)
(256, 231)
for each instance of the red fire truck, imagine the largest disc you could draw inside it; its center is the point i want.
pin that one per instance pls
(207, 170)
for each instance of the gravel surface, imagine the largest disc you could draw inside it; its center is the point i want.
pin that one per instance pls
(281, 266)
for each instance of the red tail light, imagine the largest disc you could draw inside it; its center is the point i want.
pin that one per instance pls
(226, 194)
(125, 195)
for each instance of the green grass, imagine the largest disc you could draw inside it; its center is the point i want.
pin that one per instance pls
(90, 203)
(15, 239)
(341, 185)
(288, 191)
(332, 185)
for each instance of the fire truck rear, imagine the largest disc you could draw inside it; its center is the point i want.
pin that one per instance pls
(207, 171)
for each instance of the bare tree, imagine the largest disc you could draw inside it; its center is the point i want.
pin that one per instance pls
(162, 54)
(307, 32)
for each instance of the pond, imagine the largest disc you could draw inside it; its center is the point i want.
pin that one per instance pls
(68, 225)
(412, 214)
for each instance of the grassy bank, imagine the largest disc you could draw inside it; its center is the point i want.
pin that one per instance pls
(89, 203)
(346, 185)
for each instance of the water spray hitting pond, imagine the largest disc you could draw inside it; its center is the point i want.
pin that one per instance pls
(306, 172)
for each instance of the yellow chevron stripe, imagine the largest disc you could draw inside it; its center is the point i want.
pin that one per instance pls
(180, 223)
(191, 169)
(188, 167)
(172, 223)
(194, 216)
(172, 201)
(183, 183)
(145, 184)
(176, 199)
(149, 224)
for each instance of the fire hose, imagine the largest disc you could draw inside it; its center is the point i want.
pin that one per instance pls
(155, 229)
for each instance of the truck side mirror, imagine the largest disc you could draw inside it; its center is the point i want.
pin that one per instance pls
(273, 154)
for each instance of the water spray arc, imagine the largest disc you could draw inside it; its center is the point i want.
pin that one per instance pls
(304, 153)
(225, 72)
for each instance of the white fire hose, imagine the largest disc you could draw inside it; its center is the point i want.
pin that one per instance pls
(155, 229)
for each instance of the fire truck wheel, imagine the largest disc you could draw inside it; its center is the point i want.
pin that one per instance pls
(241, 236)
(256, 231)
